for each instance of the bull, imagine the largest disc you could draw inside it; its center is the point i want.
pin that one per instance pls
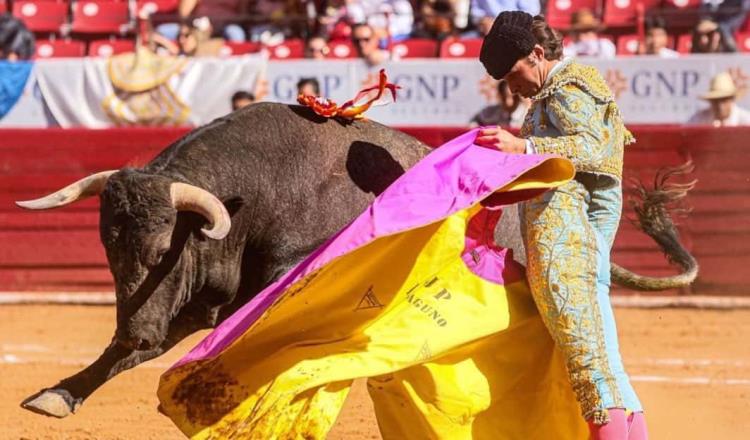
(230, 207)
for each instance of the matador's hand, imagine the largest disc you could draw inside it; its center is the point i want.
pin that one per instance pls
(500, 139)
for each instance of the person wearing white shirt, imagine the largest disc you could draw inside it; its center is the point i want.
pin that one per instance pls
(586, 41)
(657, 41)
(492, 8)
(395, 16)
(723, 110)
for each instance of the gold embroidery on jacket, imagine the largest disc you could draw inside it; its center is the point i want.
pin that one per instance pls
(575, 116)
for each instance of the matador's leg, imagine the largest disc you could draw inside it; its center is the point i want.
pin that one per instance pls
(561, 246)
(604, 213)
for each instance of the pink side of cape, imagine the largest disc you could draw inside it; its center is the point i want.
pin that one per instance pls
(455, 176)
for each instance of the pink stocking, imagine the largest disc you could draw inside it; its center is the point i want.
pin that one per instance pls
(616, 429)
(637, 427)
(620, 427)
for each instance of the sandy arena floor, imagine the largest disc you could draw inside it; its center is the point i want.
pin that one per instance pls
(691, 369)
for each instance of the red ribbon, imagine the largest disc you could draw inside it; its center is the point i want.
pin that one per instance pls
(350, 109)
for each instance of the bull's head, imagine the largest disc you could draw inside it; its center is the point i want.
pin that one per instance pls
(145, 241)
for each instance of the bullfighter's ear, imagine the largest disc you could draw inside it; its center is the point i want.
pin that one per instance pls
(233, 204)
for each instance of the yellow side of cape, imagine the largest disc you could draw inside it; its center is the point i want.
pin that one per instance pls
(450, 355)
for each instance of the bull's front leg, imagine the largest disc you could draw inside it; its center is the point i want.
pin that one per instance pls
(67, 396)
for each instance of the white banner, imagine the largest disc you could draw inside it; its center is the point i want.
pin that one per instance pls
(434, 92)
(649, 90)
(441, 93)
(653, 90)
(78, 92)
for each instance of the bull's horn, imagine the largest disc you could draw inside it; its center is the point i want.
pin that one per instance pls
(191, 198)
(88, 186)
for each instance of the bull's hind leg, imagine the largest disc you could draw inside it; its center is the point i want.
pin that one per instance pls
(66, 396)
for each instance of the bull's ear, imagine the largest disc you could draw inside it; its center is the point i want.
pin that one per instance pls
(233, 204)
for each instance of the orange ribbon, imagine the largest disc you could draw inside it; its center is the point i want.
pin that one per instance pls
(350, 109)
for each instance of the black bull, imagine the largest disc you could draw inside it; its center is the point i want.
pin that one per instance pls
(283, 178)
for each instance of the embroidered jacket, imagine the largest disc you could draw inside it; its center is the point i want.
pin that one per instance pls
(575, 116)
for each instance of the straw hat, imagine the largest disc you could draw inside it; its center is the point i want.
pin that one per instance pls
(584, 20)
(722, 86)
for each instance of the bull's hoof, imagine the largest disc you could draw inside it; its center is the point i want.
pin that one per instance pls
(52, 402)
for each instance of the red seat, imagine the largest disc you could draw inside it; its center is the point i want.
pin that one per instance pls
(3, 6)
(455, 48)
(682, 15)
(560, 11)
(94, 17)
(684, 43)
(154, 6)
(624, 13)
(341, 50)
(415, 48)
(745, 25)
(59, 49)
(628, 44)
(289, 49)
(743, 42)
(230, 49)
(41, 17)
(107, 48)
(620, 13)
(682, 4)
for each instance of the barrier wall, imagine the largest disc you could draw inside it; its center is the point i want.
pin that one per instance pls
(59, 250)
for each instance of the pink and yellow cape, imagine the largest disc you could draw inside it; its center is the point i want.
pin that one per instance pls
(415, 296)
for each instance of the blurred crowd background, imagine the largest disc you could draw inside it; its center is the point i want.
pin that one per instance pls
(365, 28)
(372, 33)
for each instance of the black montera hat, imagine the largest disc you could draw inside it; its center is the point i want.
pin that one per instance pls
(509, 40)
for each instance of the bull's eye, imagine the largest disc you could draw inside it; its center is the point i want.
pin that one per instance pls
(156, 258)
(160, 254)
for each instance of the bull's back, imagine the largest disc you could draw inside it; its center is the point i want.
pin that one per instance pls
(335, 169)
(307, 174)
(283, 137)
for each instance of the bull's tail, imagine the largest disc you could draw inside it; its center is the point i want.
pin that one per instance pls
(654, 209)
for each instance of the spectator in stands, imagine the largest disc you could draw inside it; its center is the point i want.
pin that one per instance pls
(508, 112)
(657, 40)
(366, 43)
(723, 110)
(242, 99)
(317, 48)
(221, 15)
(436, 20)
(16, 41)
(483, 12)
(461, 13)
(729, 15)
(283, 18)
(708, 39)
(387, 18)
(193, 39)
(334, 20)
(308, 86)
(483, 27)
(586, 42)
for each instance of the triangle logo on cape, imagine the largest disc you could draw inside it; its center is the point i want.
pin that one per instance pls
(369, 301)
(424, 353)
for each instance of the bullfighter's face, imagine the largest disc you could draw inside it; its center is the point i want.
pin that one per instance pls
(527, 76)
